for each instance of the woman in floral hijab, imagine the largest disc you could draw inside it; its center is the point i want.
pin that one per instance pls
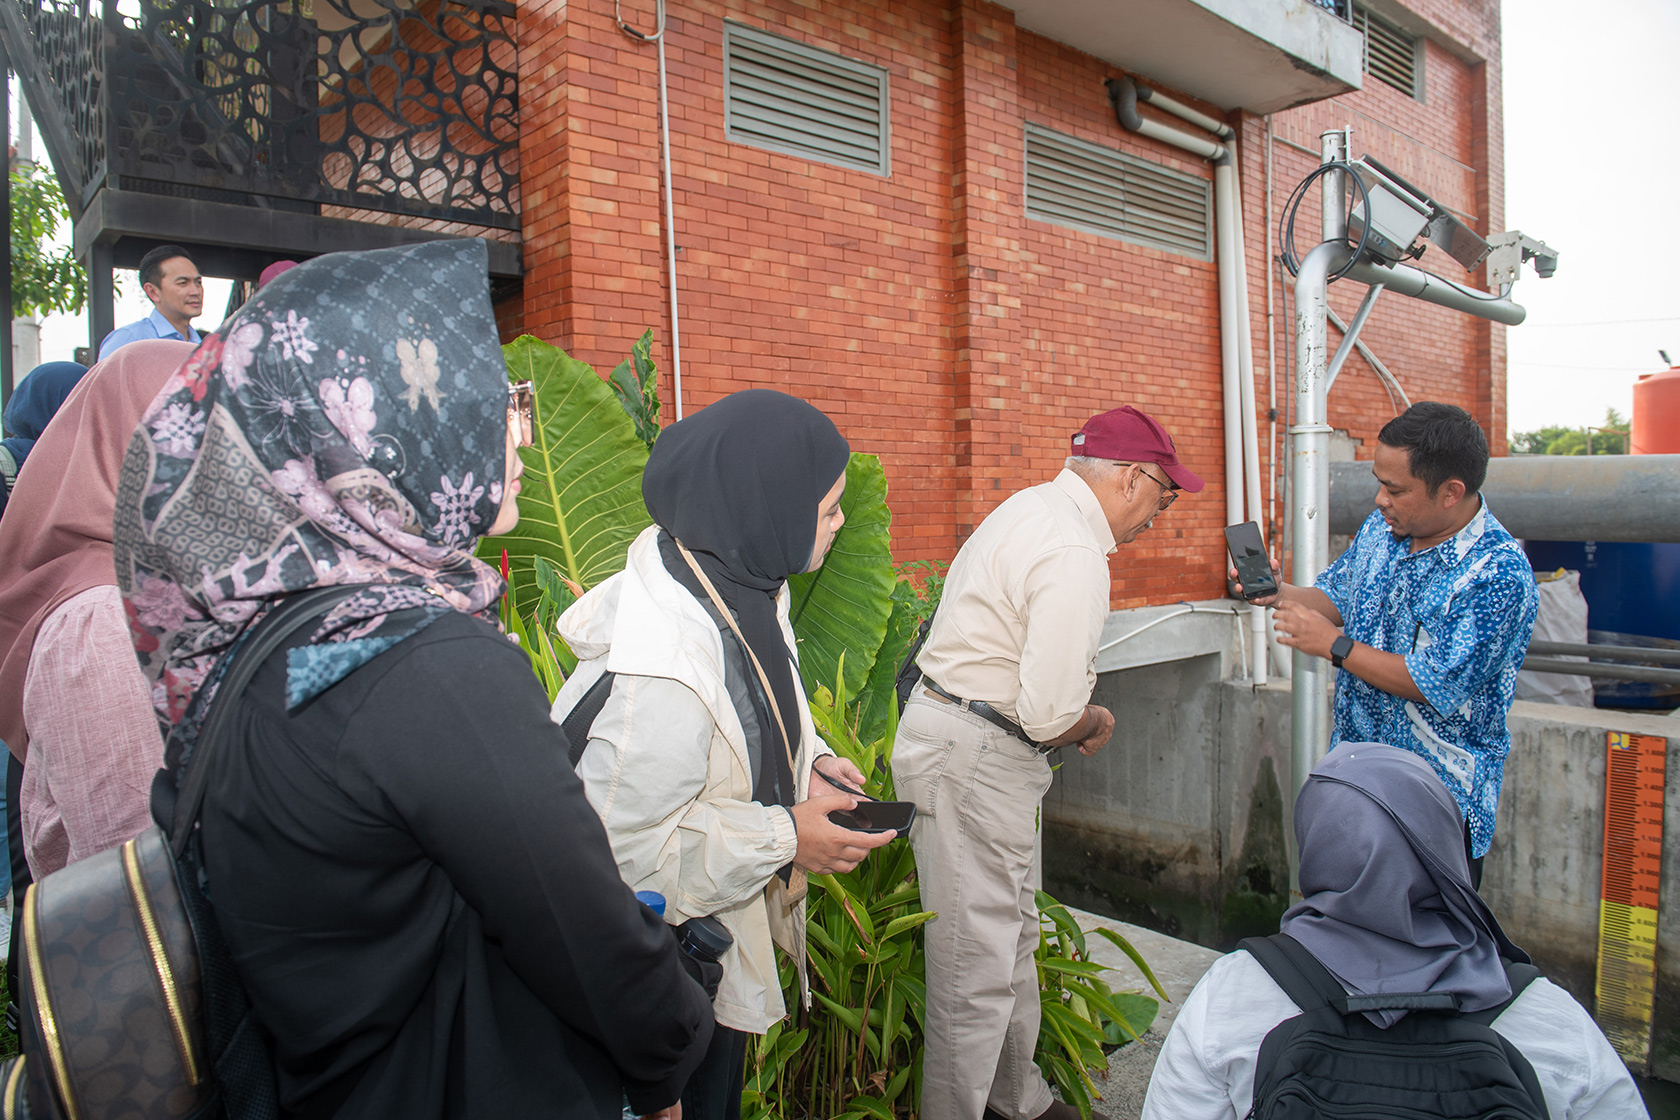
(420, 902)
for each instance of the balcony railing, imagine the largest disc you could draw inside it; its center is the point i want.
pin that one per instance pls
(408, 107)
(1335, 7)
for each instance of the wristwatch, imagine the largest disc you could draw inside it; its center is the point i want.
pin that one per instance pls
(1340, 648)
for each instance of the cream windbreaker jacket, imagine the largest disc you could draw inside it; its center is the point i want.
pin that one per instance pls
(667, 768)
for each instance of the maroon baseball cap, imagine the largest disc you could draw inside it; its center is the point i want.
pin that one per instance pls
(1130, 436)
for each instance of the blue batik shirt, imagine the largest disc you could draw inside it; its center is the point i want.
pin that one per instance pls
(1461, 613)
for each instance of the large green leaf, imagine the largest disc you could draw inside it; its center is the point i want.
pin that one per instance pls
(581, 501)
(843, 606)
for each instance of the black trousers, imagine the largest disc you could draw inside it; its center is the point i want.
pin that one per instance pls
(714, 1090)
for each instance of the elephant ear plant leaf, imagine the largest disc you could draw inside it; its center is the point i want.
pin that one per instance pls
(580, 504)
(843, 606)
(635, 381)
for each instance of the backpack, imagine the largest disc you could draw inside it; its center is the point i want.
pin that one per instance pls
(1332, 1061)
(130, 1004)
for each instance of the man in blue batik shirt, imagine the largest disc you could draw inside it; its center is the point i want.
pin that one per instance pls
(1427, 614)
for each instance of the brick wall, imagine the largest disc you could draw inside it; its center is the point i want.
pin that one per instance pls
(941, 328)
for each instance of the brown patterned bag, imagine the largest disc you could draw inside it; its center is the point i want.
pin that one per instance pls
(131, 1006)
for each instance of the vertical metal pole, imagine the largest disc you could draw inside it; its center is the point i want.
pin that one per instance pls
(1310, 494)
(102, 311)
(1334, 148)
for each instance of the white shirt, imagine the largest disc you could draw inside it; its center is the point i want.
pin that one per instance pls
(1206, 1067)
(1024, 606)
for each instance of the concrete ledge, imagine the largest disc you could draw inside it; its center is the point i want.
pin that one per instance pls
(1168, 633)
(1178, 965)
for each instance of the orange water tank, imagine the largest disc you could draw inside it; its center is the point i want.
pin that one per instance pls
(1656, 414)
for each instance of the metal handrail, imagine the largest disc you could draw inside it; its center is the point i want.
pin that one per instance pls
(1602, 670)
(1607, 652)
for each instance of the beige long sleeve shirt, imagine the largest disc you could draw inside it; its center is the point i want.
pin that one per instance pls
(1023, 608)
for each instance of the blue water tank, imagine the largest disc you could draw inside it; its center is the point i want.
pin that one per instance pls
(1632, 591)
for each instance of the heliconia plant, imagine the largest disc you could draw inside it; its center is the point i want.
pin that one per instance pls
(857, 1052)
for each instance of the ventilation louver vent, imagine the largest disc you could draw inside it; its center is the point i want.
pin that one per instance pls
(1072, 183)
(1391, 55)
(792, 98)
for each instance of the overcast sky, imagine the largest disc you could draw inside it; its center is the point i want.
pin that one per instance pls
(1591, 168)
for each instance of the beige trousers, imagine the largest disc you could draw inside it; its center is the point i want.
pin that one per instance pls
(977, 789)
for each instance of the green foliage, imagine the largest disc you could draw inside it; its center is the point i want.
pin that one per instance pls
(842, 608)
(1608, 438)
(45, 277)
(858, 1052)
(550, 658)
(1082, 1015)
(580, 504)
(636, 383)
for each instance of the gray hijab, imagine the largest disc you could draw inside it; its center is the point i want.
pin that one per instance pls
(1386, 898)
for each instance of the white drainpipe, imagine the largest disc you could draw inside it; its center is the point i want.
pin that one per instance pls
(658, 40)
(1242, 443)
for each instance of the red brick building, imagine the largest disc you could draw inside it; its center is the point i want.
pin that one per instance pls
(924, 215)
(944, 327)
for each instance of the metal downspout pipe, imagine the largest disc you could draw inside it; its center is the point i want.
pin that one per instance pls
(1242, 442)
(658, 40)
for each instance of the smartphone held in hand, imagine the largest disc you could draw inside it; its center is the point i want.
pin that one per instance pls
(877, 816)
(1248, 554)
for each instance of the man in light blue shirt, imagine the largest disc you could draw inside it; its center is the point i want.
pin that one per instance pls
(171, 281)
(1438, 603)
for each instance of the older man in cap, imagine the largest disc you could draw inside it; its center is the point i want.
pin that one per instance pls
(1008, 668)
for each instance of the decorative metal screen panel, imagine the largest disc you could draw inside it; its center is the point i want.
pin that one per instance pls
(71, 72)
(405, 106)
(1072, 183)
(1391, 55)
(793, 98)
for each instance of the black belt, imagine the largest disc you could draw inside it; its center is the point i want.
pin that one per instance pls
(990, 714)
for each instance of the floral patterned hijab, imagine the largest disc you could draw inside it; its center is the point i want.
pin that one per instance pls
(347, 425)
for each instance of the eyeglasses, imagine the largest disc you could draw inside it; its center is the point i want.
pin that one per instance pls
(522, 407)
(1168, 494)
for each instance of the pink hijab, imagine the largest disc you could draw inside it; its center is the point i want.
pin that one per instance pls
(55, 539)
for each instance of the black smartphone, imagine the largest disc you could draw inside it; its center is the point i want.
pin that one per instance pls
(877, 816)
(1248, 553)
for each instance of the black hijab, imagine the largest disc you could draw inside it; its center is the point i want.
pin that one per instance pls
(738, 483)
(1386, 901)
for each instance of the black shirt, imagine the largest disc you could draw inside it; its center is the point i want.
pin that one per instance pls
(424, 906)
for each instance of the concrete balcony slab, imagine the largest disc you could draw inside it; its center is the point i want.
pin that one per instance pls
(1258, 55)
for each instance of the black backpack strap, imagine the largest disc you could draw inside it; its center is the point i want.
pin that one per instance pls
(1520, 977)
(581, 718)
(1308, 983)
(284, 620)
(1311, 986)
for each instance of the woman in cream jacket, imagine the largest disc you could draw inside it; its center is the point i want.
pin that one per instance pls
(701, 760)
